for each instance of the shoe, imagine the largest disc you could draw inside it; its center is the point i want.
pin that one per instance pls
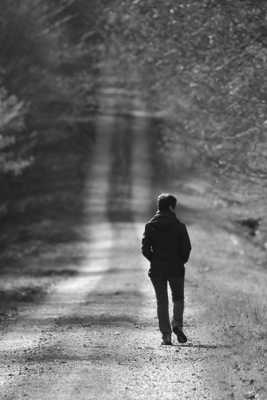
(180, 335)
(167, 340)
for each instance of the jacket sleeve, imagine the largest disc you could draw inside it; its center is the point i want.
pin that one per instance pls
(186, 249)
(146, 244)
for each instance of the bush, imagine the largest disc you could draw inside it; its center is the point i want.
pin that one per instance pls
(13, 156)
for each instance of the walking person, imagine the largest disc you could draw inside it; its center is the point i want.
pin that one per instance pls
(166, 244)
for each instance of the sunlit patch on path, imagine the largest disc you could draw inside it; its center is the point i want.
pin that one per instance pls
(25, 334)
(116, 202)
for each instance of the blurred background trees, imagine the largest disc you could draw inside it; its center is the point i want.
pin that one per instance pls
(202, 63)
(45, 87)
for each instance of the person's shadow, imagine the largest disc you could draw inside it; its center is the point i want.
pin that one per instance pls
(202, 346)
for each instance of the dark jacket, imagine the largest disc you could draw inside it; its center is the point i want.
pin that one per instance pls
(166, 245)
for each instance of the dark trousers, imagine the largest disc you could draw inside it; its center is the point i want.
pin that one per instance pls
(177, 291)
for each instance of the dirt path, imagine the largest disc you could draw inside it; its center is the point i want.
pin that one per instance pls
(95, 336)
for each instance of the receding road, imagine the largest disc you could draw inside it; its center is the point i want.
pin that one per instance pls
(94, 335)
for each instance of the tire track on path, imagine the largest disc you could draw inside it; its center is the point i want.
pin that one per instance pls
(118, 189)
(34, 325)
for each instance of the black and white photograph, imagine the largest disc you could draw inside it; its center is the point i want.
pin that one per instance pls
(133, 199)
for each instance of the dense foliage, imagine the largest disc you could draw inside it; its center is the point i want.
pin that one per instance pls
(203, 63)
(43, 87)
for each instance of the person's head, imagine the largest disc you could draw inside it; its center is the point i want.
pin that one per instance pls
(166, 202)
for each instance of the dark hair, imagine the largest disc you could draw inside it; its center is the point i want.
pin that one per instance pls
(165, 200)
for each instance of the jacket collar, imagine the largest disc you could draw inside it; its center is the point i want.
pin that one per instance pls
(167, 213)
